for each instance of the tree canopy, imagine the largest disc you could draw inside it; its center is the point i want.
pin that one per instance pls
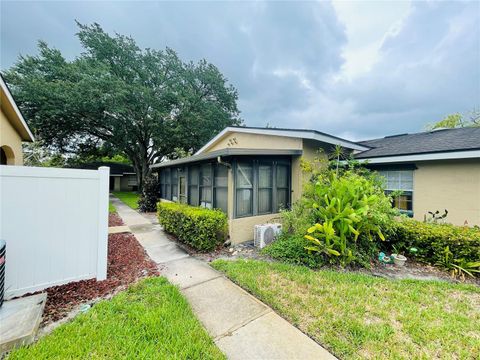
(145, 104)
(457, 120)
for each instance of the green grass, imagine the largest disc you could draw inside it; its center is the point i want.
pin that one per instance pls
(150, 320)
(359, 316)
(128, 197)
(111, 208)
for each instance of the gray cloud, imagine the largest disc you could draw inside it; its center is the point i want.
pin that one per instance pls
(285, 58)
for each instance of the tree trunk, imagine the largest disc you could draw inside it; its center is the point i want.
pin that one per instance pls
(142, 169)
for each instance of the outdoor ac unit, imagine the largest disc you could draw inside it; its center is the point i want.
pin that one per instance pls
(266, 234)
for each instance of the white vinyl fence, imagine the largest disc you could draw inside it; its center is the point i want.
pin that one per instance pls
(55, 223)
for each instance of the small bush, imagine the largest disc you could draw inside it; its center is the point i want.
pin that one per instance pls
(432, 239)
(203, 229)
(149, 197)
(291, 249)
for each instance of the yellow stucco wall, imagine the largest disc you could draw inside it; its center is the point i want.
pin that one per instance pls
(311, 150)
(241, 229)
(10, 138)
(255, 141)
(453, 185)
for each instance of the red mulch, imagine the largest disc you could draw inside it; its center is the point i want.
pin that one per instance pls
(127, 262)
(114, 220)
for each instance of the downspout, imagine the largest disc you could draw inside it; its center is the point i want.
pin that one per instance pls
(219, 160)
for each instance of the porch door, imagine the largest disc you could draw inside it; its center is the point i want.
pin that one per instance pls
(182, 189)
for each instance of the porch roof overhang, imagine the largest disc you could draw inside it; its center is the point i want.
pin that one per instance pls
(226, 153)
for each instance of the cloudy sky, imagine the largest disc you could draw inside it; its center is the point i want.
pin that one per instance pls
(354, 69)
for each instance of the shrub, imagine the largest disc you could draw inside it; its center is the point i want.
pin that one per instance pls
(291, 249)
(351, 212)
(203, 229)
(431, 240)
(149, 197)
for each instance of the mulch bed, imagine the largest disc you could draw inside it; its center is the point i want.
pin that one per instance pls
(114, 220)
(127, 262)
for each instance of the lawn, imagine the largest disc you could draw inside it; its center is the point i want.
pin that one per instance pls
(150, 320)
(358, 316)
(128, 197)
(111, 208)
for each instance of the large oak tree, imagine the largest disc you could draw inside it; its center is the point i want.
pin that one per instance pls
(143, 103)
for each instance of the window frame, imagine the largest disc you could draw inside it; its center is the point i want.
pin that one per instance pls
(274, 162)
(410, 192)
(215, 187)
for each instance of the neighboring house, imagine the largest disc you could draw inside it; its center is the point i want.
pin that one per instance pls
(436, 170)
(13, 129)
(122, 176)
(252, 173)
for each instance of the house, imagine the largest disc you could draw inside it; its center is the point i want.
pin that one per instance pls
(251, 173)
(13, 129)
(122, 176)
(436, 170)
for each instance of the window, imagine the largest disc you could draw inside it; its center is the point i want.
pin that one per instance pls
(162, 184)
(400, 180)
(261, 187)
(168, 187)
(283, 186)
(193, 192)
(182, 189)
(244, 189)
(174, 176)
(220, 188)
(206, 186)
(265, 187)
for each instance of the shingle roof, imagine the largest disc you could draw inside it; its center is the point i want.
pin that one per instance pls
(444, 140)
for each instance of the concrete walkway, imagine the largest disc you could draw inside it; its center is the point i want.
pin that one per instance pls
(242, 326)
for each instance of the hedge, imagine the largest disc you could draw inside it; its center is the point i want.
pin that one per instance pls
(201, 228)
(431, 240)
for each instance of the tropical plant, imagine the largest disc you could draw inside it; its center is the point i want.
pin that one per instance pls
(458, 267)
(350, 211)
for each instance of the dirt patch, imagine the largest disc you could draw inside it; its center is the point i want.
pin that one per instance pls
(417, 271)
(127, 262)
(114, 220)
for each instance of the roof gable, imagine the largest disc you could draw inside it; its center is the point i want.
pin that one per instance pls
(290, 133)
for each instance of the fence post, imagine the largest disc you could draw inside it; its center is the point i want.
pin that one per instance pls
(103, 191)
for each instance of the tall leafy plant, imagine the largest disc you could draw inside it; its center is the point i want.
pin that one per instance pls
(351, 212)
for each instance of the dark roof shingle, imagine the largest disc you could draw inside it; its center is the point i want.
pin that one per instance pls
(444, 140)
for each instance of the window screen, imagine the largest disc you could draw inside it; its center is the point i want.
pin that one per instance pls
(244, 189)
(221, 187)
(193, 181)
(282, 182)
(265, 186)
(206, 186)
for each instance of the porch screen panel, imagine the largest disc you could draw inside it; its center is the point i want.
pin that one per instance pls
(174, 184)
(221, 188)
(244, 189)
(282, 182)
(265, 187)
(206, 186)
(168, 185)
(193, 183)
(162, 184)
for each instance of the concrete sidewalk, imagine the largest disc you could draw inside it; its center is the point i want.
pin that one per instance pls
(241, 325)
